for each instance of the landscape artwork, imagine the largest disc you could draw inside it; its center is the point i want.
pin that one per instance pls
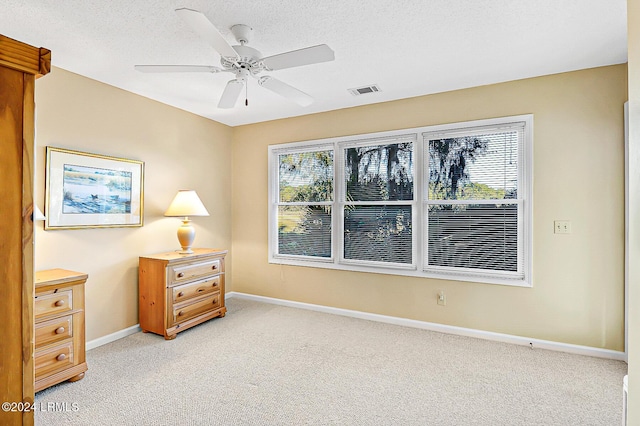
(96, 190)
(85, 190)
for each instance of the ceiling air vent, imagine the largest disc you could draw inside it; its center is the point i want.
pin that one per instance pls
(373, 88)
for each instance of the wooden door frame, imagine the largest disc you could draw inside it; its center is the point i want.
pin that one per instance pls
(31, 62)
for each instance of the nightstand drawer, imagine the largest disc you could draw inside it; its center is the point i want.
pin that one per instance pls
(54, 359)
(181, 273)
(53, 303)
(53, 330)
(198, 288)
(194, 309)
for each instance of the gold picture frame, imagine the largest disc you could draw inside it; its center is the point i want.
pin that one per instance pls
(86, 190)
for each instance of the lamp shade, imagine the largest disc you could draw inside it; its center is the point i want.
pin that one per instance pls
(186, 203)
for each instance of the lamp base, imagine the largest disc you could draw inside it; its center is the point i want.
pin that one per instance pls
(186, 236)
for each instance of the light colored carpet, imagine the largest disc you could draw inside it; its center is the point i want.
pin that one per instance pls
(271, 365)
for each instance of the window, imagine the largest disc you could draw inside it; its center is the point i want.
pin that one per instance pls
(455, 205)
(472, 202)
(304, 205)
(378, 201)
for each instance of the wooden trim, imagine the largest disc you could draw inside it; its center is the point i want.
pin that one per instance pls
(45, 62)
(11, 292)
(28, 140)
(19, 66)
(22, 57)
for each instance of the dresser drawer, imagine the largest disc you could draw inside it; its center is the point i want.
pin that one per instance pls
(198, 288)
(196, 308)
(53, 359)
(182, 273)
(53, 330)
(53, 303)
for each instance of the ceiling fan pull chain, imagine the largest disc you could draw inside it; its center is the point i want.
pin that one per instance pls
(246, 93)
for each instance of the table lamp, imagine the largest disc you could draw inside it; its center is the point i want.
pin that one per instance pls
(186, 203)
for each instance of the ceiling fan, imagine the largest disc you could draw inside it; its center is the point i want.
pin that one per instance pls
(245, 61)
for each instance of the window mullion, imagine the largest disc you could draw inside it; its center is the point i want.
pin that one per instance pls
(339, 197)
(418, 193)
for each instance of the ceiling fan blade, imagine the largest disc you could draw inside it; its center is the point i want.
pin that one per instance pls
(177, 68)
(283, 89)
(230, 94)
(201, 25)
(296, 58)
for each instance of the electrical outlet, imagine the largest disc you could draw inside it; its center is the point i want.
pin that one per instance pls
(442, 298)
(561, 227)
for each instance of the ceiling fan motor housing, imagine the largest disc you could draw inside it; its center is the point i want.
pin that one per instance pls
(248, 59)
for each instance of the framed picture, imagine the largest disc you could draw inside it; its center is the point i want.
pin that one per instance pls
(92, 191)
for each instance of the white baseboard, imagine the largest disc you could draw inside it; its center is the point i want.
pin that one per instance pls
(112, 337)
(442, 328)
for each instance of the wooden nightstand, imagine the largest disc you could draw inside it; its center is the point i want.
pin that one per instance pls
(178, 291)
(59, 327)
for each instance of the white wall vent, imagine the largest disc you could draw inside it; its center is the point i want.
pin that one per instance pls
(373, 88)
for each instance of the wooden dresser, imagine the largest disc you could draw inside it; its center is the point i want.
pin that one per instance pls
(178, 291)
(59, 327)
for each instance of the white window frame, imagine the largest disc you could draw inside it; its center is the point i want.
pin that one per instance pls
(341, 202)
(274, 201)
(418, 217)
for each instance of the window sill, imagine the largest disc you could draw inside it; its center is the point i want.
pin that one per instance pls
(412, 271)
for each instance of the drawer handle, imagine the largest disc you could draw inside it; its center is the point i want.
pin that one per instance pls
(61, 357)
(214, 267)
(214, 301)
(181, 294)
(59, 302)
(59, 330)
(180, 313)
(200, 290)
(180, 274)
(214, 284)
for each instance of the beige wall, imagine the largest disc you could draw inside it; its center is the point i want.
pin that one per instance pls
(180, 151)
(577, 295)
(633, 40)
(578, 130)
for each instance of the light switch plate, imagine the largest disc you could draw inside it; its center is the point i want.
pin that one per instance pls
(561, 227)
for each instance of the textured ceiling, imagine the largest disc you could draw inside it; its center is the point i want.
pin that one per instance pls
(407, 47)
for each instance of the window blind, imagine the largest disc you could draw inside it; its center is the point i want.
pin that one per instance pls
(305, 194)
(472, 209)
(379, 192)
